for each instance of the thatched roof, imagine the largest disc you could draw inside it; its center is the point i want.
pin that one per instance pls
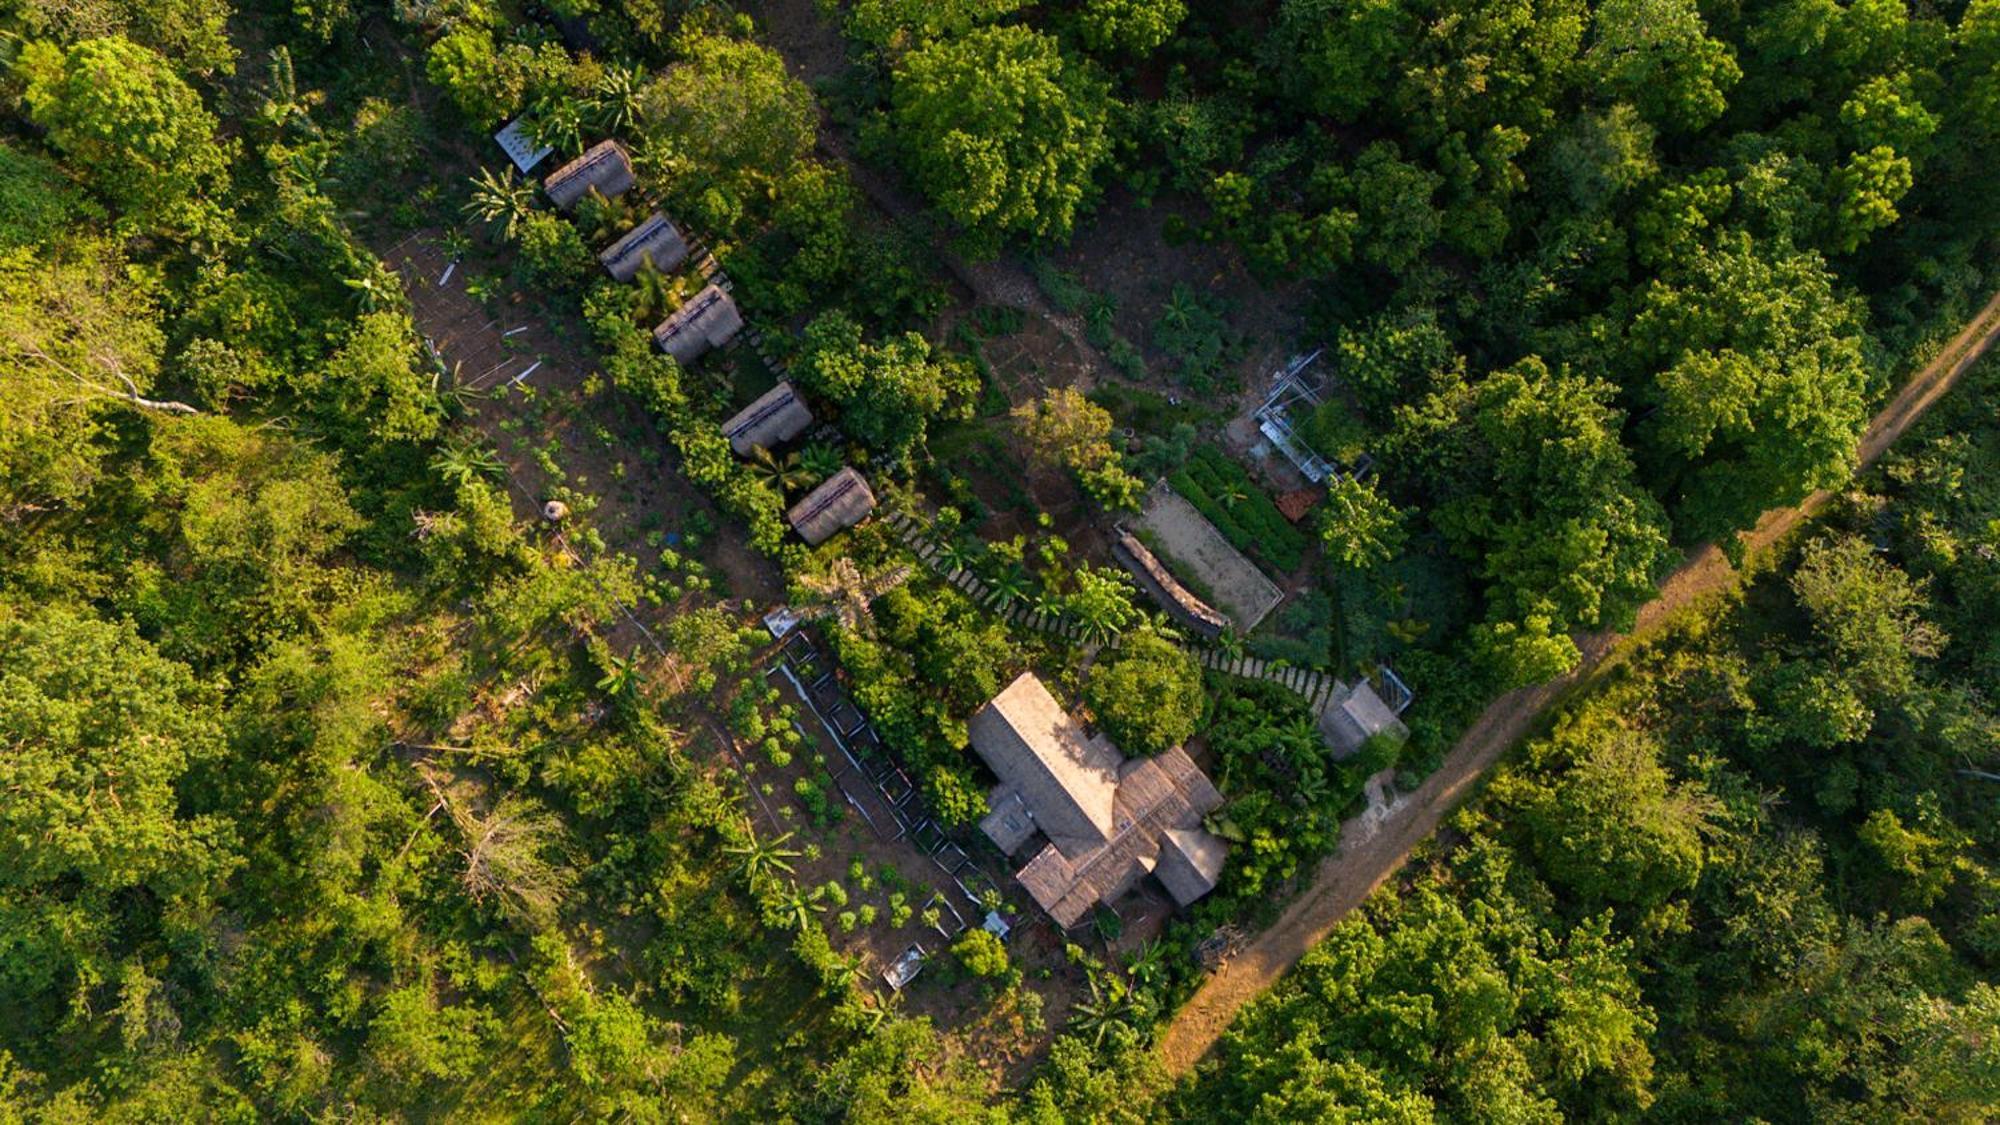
(655, 240)
(777, 416)
(1355, 719)
(1008, 825)
(1161, 585)
(708, 320)
(1067, 781)
(1190, 862)
(839, 502)
(604, 166)
(1108, 819)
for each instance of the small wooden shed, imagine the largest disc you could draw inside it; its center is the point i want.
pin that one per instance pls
(655, 240)
(605, 166)
(777, 416)
(707, 321)
(840, 502)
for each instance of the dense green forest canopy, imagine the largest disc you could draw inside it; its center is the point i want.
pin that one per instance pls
(337, 784)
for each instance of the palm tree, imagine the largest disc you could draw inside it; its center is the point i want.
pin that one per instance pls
(957, 552)
(652, 294)
(1097, 1014)
(620, 679)
(820, 460)
(556, 120)
(614, 103)
(781, 473)
(1009, 584)
(283, 107)
(762, 857)
(462, 462)
(453, 244)
(1148, 962)
(845, 593)
(800, 906)
(501, 200)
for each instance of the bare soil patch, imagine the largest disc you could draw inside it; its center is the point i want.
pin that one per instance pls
(1191, 543)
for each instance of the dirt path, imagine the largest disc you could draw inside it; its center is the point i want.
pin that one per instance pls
(1373, 847)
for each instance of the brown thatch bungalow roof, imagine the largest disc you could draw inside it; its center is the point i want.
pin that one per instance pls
(1109, 820)
(1161, 585)
(1361, 715)
(708, 320)
(655, 240)
(777, 416)
(604, 166)
(1067, 781)
(1190, 862)
(839, 502)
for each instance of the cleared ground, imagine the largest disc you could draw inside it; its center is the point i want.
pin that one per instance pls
(1193, 549)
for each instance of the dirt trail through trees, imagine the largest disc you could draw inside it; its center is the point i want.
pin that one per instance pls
(1373, 847)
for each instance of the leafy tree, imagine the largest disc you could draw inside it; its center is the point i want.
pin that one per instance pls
(79, 345)
(1002, 131)
(1531, 482)
(1337, 50)
(1135, 27)
(1361, 528)
(1758, 369)
(1866, 614)
(724, 126)
(1063, 428)
(1658, 55)
(1614, 827)
(1149, 697)
(1100, 601)
(137, 131)
(896, 26)
(981, 953)
(888, 392)
(485, 83)
(1393, 197)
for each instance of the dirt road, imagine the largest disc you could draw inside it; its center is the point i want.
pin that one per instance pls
(1373, 848)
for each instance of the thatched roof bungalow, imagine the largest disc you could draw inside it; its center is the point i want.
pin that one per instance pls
(777, 416)
(655, 240)
(1160, 584)
(604, 166)
(1358, 717)
(840, 502)
(1108, 820)
(707, 321)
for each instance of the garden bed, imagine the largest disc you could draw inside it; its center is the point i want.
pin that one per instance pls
(1190, 542)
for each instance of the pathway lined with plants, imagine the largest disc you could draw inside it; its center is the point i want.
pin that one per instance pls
(1318, 688)
(1372, 848)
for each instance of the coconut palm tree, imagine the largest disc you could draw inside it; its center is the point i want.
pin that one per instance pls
(462, 462)
(620, 679)
(781, 473)
(1009, 584)
(501, 201)
(1096, 1015)
(556, 120)
(820, 460)
(614, 102)
(845, 593)
(763, 857)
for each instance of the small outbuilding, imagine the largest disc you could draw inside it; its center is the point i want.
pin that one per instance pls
(777, 416)
(707, 321)
(840, 502)
(605, 166)
(655, 240)
(1349, 723)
